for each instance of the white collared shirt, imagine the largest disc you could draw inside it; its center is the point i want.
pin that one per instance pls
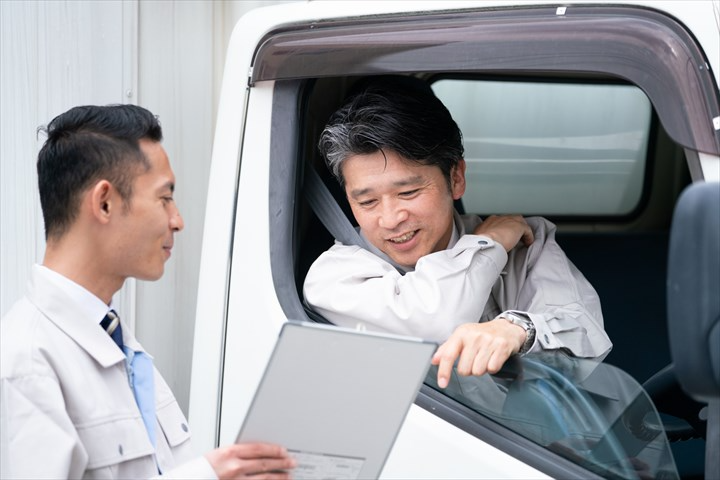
(93, 307)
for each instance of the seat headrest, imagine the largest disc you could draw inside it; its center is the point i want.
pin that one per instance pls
(693, 290)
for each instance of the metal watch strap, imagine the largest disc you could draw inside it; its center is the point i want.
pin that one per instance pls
(527, 325)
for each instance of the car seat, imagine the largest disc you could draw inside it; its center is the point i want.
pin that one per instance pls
(693, 301)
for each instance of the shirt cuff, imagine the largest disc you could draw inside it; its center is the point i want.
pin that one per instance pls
(486, 246)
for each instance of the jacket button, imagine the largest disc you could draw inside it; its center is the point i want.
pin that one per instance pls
(547, 340)
(184, 427)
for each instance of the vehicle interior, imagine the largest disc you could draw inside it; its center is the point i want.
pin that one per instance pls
(623, 255)
(591, 153)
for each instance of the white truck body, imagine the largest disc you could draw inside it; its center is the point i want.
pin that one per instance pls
(239, 312)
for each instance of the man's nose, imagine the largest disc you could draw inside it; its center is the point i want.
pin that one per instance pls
(392, 215)
(176, 221)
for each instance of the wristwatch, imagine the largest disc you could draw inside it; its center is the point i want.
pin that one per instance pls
(527, 325)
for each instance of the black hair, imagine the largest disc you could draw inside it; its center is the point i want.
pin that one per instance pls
(87, 144)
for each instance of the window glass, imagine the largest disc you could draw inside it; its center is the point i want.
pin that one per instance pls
(550, 148)
(591, 413)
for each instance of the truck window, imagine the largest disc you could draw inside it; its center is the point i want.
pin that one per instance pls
(571, 148)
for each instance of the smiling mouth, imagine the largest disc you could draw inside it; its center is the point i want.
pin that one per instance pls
(403, 238)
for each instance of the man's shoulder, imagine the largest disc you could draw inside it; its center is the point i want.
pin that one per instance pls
(469, 222)
(540, 223)
(21, 316)
(341, 251)
(540, 226)
(342, 260)
(21, 336)
(344, 257)
(543, 230)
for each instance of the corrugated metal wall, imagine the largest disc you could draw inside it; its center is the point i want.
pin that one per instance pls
(166, 55)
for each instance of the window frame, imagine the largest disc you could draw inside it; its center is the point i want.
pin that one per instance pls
(620, 42)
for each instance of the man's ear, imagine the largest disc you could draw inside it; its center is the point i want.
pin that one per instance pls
(457, 180)
(102, 201)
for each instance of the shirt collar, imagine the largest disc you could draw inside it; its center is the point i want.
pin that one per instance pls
(91, 306)
(457, 230)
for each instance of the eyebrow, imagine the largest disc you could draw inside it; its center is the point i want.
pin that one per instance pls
(169, 186)
(409, 181)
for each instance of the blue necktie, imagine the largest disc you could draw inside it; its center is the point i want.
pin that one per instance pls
(111, 324)
(140, 373)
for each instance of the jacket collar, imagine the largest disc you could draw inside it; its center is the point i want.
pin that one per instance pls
(75, 320)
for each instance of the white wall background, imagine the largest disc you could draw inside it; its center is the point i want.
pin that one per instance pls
(166, 55)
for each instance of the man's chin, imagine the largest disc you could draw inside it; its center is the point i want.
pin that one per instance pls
(405, 255)
(407, 263)
(151, 276)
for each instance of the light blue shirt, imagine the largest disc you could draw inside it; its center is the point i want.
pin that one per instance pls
(140, 377)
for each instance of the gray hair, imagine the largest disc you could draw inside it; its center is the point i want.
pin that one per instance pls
(400, 114)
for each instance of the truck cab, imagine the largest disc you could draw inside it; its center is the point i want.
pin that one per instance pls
(596, 116)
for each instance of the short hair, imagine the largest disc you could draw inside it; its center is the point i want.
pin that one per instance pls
(87, 144)
(395, 113)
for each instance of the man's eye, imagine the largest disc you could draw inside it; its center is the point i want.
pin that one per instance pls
(366, 203)
(409, 193)
(167, 199)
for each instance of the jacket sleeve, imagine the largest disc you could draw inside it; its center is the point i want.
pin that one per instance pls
(352, 287)
(196, 469)
(543, 283)
(38, 439)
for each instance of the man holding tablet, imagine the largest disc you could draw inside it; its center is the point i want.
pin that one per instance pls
(80, 396)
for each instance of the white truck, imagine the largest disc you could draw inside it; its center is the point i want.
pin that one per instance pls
(599, 113)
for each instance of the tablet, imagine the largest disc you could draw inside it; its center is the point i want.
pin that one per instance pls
(336, 398)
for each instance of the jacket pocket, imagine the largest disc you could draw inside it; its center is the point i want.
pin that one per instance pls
(173, 423)
(115, 441)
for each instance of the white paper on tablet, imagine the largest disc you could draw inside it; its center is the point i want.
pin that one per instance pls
(336, 398)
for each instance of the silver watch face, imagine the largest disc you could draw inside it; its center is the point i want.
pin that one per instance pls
(517, 320)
